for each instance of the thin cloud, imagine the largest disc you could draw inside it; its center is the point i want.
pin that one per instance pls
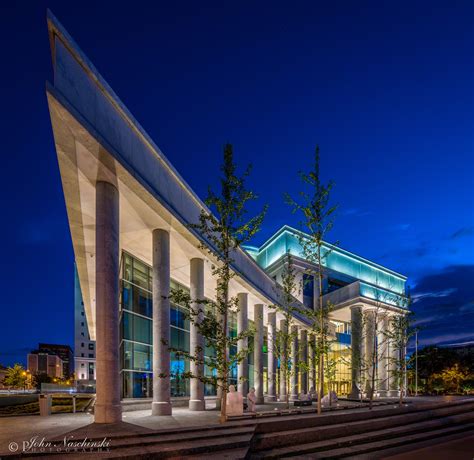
(433, 295)
(444, 339)
(462, 232)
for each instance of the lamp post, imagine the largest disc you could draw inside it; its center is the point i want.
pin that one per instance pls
(416, 362)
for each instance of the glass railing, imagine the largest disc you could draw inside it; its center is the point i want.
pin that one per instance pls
(361, 289)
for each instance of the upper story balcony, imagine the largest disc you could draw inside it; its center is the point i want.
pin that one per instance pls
(359, 291)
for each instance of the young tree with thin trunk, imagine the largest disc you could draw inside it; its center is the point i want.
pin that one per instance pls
(398, 335)
(330, 371)
(285, 336)
(381, 298)
(318, 220)
(225, 227)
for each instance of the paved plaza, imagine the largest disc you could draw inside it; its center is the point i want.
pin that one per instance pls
(20, 429)
(23, 428)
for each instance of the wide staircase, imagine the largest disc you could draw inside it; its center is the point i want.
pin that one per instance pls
(375, 434)
(378, 433)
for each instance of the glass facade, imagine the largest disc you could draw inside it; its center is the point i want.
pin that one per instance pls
(136, 339)
(340, 355)
(136, 335)
(308, 290)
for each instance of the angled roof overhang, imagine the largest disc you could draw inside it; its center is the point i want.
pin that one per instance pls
(97, 138)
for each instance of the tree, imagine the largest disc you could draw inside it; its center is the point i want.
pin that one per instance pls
(371, 325)
(431, 361)
(225, 227)
(318, 220)
(330, 372)
(398, 335)
(453, 378)
(38, 379)
(15, 377)
(285, 336)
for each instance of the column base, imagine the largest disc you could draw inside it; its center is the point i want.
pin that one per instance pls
(161, 408)
(294, 397)
(107, 413)
(393, 393)
(197, 404)
(382, 393)
(354, 394)
(270, 398)
(260, 400)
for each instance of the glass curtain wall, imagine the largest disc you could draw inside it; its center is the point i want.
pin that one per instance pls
(136, 328)
(136, 349)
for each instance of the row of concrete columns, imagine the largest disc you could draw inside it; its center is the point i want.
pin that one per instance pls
(108, 405)
(369, 337)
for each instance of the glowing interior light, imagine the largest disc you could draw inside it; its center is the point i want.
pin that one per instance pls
(334, 258)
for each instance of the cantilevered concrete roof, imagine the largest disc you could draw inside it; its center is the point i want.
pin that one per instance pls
(97, 138)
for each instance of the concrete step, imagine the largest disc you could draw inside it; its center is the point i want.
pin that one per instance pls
(231, 454)
(178, 438)
(313, 420)
(438, 445)
(374, 440)
(300, 436)
(184, 448)
(173, 443)
(436, 436)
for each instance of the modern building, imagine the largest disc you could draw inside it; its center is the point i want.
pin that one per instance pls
(45, 363)
(64, 352)
(129, 212)
(84, 347)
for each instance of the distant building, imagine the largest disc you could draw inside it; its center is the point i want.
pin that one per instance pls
(64, 352)
(84, 347)
(44, 363)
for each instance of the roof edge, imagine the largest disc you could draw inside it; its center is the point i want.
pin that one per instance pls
(295, 231)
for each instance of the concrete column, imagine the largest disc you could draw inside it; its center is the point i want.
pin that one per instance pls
(393, 358)
(258, 352)
(369, 347)
(161, 404)
(196, 340)
(356, 350)
(271, 369)
(294, 364)
(108, 408)
(312, 364)
(382, 355)
(242, 325)
(304, 360)
(283, 358)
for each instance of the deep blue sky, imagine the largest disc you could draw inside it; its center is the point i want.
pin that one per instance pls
(385, 88)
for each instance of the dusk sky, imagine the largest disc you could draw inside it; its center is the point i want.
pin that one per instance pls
(385, 88)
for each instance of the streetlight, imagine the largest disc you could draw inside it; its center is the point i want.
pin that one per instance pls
(24, 381)
(416, 362)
